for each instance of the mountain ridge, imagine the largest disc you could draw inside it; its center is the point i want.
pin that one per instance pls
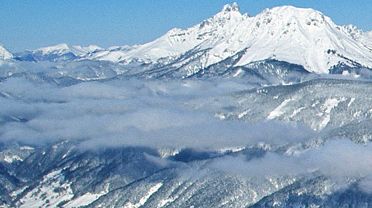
(300, 36)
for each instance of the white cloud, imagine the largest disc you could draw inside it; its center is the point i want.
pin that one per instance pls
(340, 160)
(146, 113)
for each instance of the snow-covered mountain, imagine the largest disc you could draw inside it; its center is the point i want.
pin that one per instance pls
(60, 52)
(277, 46)
(295, 35)
(299, 36)
(5, 54)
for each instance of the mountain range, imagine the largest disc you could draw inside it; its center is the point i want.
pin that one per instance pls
(299, 36)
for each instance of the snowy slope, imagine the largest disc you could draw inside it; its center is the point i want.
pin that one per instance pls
(364, 37)
(176, 42)
(367, 39)
(5, 54)
(113, 54)
(305, 37)
(295, 35)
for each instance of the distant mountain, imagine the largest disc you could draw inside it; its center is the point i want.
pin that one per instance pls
(275, 42)
(60, 52)
(5, 54)
(295, 35)
(304, 37)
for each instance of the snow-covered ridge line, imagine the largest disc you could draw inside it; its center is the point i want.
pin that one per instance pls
(59, 52)
(286, 33)
(295, 35)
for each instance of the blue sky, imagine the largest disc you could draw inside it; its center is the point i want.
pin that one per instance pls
(31, 24)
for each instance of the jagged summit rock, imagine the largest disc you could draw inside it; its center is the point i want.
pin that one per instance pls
(234, 7)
